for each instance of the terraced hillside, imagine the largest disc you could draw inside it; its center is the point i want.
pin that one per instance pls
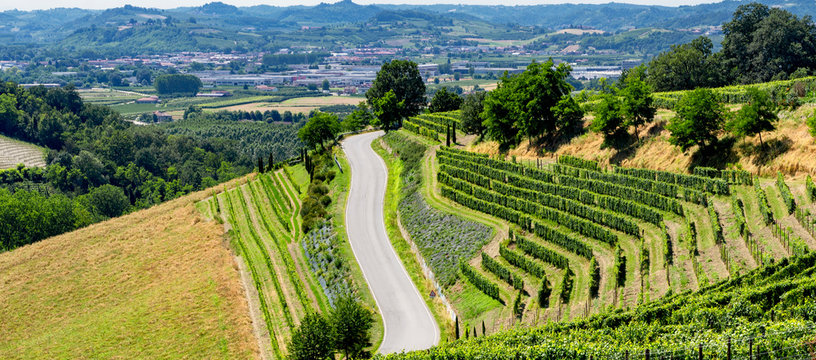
(262, 218)
(157, 283)
(675, 232)
(767, 313)
(13, 152)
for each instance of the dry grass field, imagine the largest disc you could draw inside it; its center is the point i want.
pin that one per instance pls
(13, 152)
(158, 283)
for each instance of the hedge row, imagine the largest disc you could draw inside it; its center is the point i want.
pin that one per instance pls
(575, 161)
(495, 267)
(432, 125)
(480, 282)
(566, 285)
(420, 130)
(522, 262)
(543, 189)
(764, 208)
(539, 252)
(660, 188)
(739, 215)
(572, 222)
(734, 177)
(700, 183)
(784, 190)
(715, 225)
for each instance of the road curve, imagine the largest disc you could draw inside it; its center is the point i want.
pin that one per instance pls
(408, 322)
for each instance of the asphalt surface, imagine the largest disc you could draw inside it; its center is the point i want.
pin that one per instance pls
(409, 324)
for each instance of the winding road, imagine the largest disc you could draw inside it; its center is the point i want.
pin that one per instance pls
(408, 322)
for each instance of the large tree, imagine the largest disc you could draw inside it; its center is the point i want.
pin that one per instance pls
(638, 103)
(761, 43)
(352, 323)
(445, 100)
(531, 104)
(699, 116)
(313, 339)
(177, 84)
(403, 79)
(608, 115)
(755, 116)
(472, 109)
(388, 109)
(686, 67)
(320, 128)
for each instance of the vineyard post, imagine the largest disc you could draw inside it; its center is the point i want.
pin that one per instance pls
(750, 349)
(729, 348)
(700, 352)
(647, 354)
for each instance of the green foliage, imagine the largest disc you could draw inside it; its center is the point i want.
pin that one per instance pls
(108, 200)
(313, 339)
(575, 161)
(761, 43)
(594, 277)
(756, 116)
(402, 79)
(495, 267)
(715, 224)
(320, 128)
(699, 116)
(787, 196)
(685, 67)
(518, 307)
(539, 252)
(608, 115)
(638, 102)
(531, 104)
(522, 262)
(810, 188)
(480, 282)
(620, 267)
(566, 285)
(472, 108)
(351, 323)
(359, 118)
(764, 207)
(444, 100)
(696, 182)
(811, 123)
(177, 84)
(543, 296)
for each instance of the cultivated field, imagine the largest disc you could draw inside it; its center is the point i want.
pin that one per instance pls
(13, 152)
(297, 105)
(158, 283)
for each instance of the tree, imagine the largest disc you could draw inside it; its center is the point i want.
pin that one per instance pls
(594, 277)
(445, 100)
(325, 85)
(620, 266)
(531, 104)
(638, 103)
(811, 123)
(108, 200)
(403, 79)
(313, 339)
(177, 84)
(359, 118)
(472, 108)
(755, 116)
(388, 109)
(699, 116)
(320, 128)
(763, 43)
(608, 116)
(686, 67)
(544, 292)
(351, 323)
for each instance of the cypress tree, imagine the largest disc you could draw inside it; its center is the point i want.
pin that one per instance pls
(456, 326)
(544, 294)
(453, 133)
(484, 329)
(271, 165)
(467, 332)
(260, 165)
(474, 331)
(447, 136)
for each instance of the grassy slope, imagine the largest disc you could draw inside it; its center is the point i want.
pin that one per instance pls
(158, 283)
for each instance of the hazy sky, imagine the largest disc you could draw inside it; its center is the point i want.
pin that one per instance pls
(164, 4)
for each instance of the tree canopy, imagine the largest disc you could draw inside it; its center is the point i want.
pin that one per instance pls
(352, 323)
(686, 66)
(445, 100)
(699, 116)
(531, 104)
(755, 116)
(472, 108)
(402, 78)
(638, 103)
(320, 128)
(313, 339)
(388, 109)
(608, 115)
(177, 84)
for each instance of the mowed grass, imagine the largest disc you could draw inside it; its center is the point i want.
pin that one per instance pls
(13, 152)
(158, 283)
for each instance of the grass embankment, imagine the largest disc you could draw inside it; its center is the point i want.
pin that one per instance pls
(157, 283)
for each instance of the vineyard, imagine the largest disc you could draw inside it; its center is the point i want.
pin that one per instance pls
(262, 216)
(257, 138)
(627, 236)
(767, 313)
(13, 152)
(435, 126)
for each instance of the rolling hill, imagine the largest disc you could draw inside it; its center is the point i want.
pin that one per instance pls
(156, 283)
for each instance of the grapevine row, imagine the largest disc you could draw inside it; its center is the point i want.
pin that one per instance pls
(539, 252)
(480, 282)
(700, 183)
(784, 190)
(522, 262)
(495, 267)
(764, 208)
(577, 162)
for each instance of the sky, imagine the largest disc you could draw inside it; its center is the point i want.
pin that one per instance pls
(165, 4)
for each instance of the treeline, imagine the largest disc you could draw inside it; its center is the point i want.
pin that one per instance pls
(177, 84)
(100, 164)
(293, 59)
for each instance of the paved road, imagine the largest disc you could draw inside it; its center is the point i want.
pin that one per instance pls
(409, 324)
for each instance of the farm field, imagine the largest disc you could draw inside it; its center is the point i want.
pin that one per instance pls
(157, 283)
(13, 152)
(302, 105)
